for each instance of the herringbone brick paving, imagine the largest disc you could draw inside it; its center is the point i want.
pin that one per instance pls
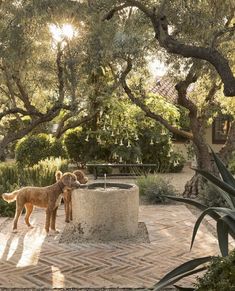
(29, 259)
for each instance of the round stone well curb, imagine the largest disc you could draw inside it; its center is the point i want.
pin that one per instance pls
(106, 214)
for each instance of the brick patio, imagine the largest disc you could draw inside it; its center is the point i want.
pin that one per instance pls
(29, 259)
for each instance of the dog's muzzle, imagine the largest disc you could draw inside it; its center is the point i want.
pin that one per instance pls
(77, 185)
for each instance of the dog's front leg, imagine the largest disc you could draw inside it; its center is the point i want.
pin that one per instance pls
(66, 207)
(70, 211)
(48, 219)
(53, 220)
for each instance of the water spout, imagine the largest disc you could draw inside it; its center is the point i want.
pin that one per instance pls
(105, 181)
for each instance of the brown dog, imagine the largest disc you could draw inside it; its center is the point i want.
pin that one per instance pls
(47, 197)
(82, 179)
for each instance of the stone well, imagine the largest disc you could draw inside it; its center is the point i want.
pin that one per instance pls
(106, 214)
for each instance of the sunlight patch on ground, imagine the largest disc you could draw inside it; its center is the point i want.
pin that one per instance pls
(32, 245)
(57, 277)
(8, 249)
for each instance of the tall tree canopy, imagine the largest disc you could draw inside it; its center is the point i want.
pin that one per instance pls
(191, 29)
(40, 68)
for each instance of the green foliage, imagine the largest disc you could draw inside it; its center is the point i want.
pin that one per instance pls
(153, 189)
(32, 149)
(57, 149)
(82, 150)
(220, 275)
(8, 183)
(42, 174)
(7, 209)
(85, 146)
(8, 177)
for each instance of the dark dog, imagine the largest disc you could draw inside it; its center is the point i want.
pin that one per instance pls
(47, 197)
(82, 179)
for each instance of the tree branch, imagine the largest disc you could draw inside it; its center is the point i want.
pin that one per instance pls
(75, 124)
(182, 87)
(145, 108)
(60, 73)
(32, 111)
(220, 34)
(13, 111)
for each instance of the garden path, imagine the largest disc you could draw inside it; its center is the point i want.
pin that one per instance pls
(29, 259)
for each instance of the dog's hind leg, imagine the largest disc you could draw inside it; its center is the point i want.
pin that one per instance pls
(29, 209)
(19, 208)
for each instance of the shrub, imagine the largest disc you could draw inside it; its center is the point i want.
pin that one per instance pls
(57, 149)
(220, 275)
(7, 209)
(82, 151)
(42, 174)
(8, 177)
(153, 188)
(30, 150)
(177, 162)
(8, 183)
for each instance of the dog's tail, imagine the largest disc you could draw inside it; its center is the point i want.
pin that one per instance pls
(10, 197)
(58, 175)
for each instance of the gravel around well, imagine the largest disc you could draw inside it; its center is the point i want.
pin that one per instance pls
(72, 235)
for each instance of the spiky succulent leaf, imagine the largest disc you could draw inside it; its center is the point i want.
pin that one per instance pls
(230, 213)
(222, 234)
(190, 266)
(188, 201)
(224, 172)
(185, 267)
(195, 203)
(184, 288)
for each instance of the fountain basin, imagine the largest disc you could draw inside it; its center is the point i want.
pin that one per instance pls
(106, 214)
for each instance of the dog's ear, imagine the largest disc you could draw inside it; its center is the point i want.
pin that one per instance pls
(79, 174)
(58, 175)
(70, 180)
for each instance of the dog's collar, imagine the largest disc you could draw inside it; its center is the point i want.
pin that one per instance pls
(61, 187)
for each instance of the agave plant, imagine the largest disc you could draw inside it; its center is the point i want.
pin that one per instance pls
(225, 224)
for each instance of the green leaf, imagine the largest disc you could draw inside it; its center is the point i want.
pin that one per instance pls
(221, 184)
(210, 210)
(227, 198)
(161, 284)
(185, 267)
(231, 224)
(197, 204)
(184, 288)
(225, 174)
(188, 201)
(222, 233)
